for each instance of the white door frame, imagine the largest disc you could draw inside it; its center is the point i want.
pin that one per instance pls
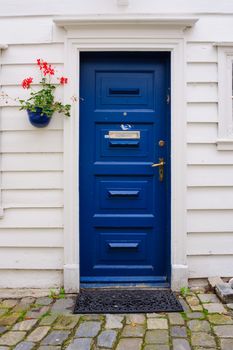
(105, 36)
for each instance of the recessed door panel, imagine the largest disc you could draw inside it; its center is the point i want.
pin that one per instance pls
(123, 145)
(124, 89)
(124, 195)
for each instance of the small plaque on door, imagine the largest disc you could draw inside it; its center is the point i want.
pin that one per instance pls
(124, 135)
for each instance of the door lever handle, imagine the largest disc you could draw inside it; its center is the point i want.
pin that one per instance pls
(161, 169)
(161, 163)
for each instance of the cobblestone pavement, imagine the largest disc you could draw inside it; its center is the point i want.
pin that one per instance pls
(48, 324)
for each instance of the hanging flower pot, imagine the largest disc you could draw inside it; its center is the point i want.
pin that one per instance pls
(41, 103)
(38, 119)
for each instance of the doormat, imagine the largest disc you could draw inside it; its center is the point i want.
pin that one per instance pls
(95, 301)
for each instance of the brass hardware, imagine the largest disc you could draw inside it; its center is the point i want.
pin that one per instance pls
(124, 134)
(161, 168)
(161, 143)
(161, 163)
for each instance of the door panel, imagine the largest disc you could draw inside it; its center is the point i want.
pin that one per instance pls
(124, 207)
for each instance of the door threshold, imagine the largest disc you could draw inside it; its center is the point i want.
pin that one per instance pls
(126, 285)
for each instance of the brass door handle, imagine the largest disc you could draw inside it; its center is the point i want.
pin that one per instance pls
(161, 163)
(161, 169)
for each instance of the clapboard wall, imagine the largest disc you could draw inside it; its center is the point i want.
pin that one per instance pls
(31, 226)
(210, 172)
(31, 229)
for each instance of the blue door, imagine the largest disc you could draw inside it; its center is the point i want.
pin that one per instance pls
(124, 201)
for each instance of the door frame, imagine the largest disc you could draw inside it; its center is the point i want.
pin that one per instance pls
(88, 35)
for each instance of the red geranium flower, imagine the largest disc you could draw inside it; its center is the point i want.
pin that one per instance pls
(45, 67)
(63, 80)
(27, 82)
(50, 70)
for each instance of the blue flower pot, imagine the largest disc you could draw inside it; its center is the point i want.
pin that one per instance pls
(38, 120)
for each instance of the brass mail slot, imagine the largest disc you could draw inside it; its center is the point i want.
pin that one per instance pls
(124, 134)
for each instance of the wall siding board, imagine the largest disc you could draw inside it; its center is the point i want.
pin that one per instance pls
(31, 162)
(215, 265)
(201, 52)
(206, 176)
(27, 54)
(31, 237)
(207, 154)
(210, 198)
(26, 278)
(202, 73)
(32, 180)
(210, 220)
(202, 112)
(31, 258)
(211, 29)
(32, 218)
(202, 132)
(209, 243)
(26, 30)
(32, 141)
(202, 92)
(32, 198)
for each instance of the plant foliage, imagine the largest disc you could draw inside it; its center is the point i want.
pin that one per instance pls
(44, 98)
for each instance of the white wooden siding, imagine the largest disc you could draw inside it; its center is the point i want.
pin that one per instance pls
(31, 230)
(202, 112)
(32, 237)
(26, 30)
(27, 54)
(32, 162)
(201, 52)
(31, 259)
(22, 198)
(210, 243)
(201, 132)
(202, 72)
(209, 265)
(202, 92)
(210, 172)
(32, 180)
(210, 198)
(32, 141)
(12, 278)
(206, 154)
(32, 217)
(206, 176)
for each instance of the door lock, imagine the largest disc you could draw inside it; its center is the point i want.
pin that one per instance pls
(160, 165)
(161, 143)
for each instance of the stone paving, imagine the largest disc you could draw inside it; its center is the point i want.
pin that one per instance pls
(48, 324)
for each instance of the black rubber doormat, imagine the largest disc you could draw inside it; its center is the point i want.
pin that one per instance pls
(95, 301)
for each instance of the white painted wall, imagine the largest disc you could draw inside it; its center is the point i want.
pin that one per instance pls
(31, 229)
